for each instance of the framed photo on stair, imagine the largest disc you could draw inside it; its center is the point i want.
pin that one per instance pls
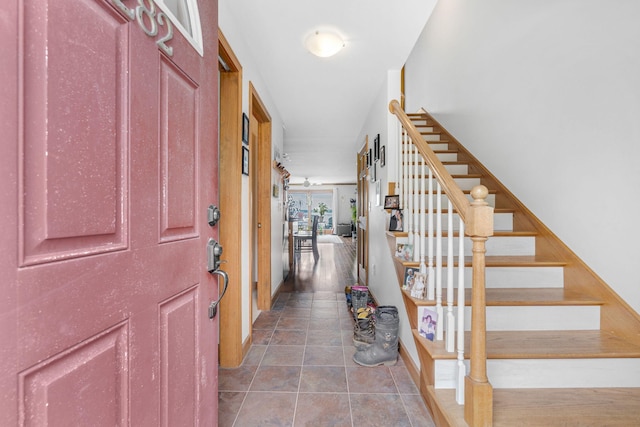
(392, 202)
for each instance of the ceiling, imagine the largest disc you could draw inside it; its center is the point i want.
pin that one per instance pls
(324, 102)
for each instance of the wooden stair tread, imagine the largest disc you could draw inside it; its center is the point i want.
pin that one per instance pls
(523, 297)
(584, 407)
(469, 175)
(444, 210)
(502, 261)
(544, 345)
(491, 191)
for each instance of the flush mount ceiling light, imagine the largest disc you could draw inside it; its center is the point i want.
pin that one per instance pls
(323, 43)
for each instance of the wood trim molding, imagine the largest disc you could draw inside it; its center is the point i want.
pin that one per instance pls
(261, 170)
(230, 314)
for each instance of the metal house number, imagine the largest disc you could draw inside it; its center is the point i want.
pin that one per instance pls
(149, 20)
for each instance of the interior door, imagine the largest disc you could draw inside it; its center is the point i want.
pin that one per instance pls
(363, 214)
(109, 162)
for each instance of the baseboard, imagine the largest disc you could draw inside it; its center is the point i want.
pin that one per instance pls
(246, 346)
(276, 294)
(413, 370)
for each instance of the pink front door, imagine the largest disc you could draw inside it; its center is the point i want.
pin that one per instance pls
(108, 163)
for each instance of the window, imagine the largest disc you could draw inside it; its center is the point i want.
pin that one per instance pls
(303, 205)
(185, 17)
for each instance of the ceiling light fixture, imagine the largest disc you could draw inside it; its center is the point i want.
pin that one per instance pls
(306, 182)
(323, 43)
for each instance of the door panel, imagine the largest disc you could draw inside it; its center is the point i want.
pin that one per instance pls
(110, 163)
(73, 195)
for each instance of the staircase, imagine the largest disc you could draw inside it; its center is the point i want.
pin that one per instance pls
(562, 348)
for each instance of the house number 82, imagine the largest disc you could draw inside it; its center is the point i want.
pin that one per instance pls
(147, 16)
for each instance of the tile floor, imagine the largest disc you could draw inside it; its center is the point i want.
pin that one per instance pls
(299, 372)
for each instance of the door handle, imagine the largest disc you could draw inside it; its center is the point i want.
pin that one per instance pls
(213, 307)
(214, 251)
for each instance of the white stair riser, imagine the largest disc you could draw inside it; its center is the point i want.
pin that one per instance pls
(463, 183)
(438, 146)
(564, 373)
(446, 373)
(518, 277)
(548, 373)
(501, 221)
(495, 246)
(536, 318)
(510, 277)
(447, 157)
(431, 137)
(457, 169)
(444, 200)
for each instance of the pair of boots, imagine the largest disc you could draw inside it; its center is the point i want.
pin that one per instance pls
(376, 336)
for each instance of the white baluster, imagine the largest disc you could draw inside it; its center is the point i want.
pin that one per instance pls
(409, 210)
(439, 329)
(416, 206)
(423, 225)
(403, 181)
(400, 166)
(462, 370)
(451, 326)
(431, 276)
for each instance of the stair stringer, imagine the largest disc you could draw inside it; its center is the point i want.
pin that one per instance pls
(616, 316)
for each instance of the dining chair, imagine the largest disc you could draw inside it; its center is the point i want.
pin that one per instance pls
(309, 242)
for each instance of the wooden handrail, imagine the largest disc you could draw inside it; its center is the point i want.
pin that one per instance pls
(478, 222)
(457, 197)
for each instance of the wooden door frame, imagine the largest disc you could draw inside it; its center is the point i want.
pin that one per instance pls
(260, 196)
(362, 235)
(231, 348)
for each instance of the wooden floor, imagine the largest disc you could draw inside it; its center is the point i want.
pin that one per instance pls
(593, 407)
(335, 268)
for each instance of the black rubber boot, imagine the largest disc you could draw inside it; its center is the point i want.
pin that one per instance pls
(384, 349)
(363, 329)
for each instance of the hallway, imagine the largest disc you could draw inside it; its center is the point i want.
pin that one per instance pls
(299, 370)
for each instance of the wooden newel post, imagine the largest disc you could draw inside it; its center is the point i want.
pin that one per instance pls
(478, 408)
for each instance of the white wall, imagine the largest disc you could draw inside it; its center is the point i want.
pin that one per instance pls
(547, 95)
(382, 279)
(250, 73)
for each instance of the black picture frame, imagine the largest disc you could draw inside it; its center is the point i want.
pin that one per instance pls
(392, 202)
(383, 159)
(376, 147)
(245, 129)
(245, 161)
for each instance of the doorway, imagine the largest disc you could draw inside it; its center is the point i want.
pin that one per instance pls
(232, 307)
(261, 171)
(362, 224)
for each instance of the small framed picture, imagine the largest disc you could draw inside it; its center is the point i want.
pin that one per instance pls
(395, 222)
(245, 129)
(391, 202)
(376, 147)
(383, 160)
(409, 277)
(245, 161)
(427, 321)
